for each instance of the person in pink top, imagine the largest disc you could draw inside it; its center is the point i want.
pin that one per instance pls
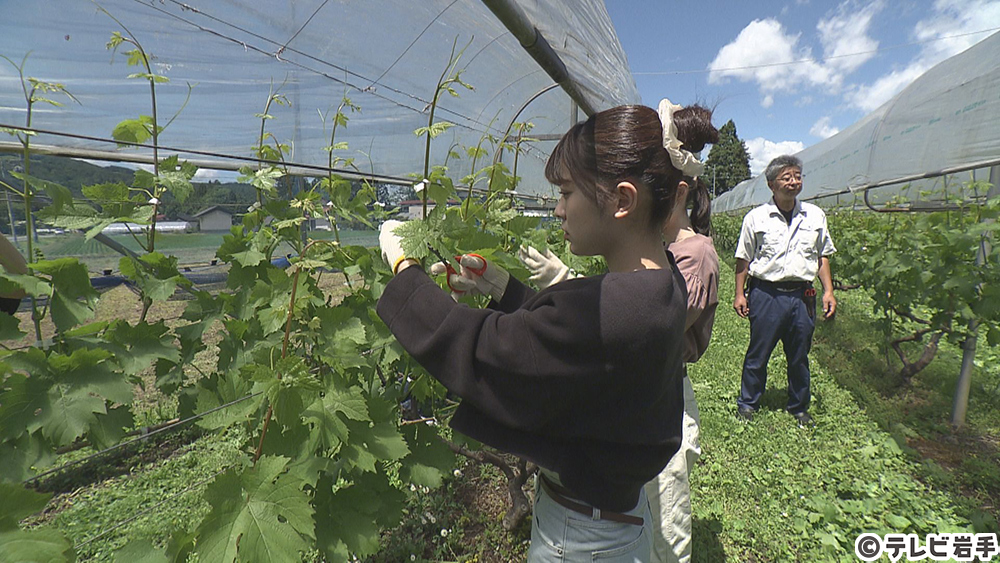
(687, 235)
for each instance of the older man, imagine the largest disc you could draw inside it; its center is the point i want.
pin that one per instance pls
(783, 245)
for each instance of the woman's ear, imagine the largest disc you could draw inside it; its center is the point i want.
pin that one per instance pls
(682, 194)
(628, 199)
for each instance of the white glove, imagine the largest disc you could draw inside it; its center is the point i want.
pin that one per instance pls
(546, 268)
(477, 277)
(391, 244)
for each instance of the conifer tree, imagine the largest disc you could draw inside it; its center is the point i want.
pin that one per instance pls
(728, 162)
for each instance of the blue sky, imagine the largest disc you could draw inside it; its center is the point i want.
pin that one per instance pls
(857, 54)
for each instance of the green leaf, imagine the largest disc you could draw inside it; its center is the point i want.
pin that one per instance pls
(25, 456)
(260, 515)
(898, 523)
(132, 131)
(63, 394)
(229, 388)
(140, 551)
(39, 545)
(993, 336)
(109, 429)
(145, 343)
(369, 444)
(10, 328)
(71, 283)
(429, 457)
(158, 79)
(19, 503)
(32, 285)
(350, 520)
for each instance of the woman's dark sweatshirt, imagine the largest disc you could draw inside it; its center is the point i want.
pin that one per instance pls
(583, 378)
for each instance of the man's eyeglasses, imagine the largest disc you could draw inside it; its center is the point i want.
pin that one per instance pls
(789, 177)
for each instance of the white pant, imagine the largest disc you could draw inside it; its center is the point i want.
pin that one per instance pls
(560, 535)
(670, 493)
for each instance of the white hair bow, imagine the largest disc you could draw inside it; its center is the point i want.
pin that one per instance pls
(683, 160)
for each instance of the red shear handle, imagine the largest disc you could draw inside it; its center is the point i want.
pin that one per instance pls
(477, 271)
(450, 270)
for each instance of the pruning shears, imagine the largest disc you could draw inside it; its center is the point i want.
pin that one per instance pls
(450, 270)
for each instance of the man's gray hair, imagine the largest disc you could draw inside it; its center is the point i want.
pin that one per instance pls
(780, 163)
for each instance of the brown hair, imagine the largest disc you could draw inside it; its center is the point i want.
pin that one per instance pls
(625, 144)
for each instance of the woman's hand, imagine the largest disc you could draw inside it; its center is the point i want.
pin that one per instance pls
(477, 276)
(391, 246)
(546, 268)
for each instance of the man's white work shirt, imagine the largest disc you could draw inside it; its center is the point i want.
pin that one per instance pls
(781, 251)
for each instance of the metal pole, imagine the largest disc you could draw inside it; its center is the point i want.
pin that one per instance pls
(960, 406)
(10, 212)
(516, 21)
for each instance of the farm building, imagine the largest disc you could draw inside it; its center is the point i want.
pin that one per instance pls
(414, 208)
(214, 218)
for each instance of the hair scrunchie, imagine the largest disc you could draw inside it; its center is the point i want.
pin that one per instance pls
(683, 160)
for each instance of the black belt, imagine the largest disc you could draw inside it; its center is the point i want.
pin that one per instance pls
(782, 285)
(559, 493)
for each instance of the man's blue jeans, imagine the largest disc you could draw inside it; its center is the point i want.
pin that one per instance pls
(777, 315)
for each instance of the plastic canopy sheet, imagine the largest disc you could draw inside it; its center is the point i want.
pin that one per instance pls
(948, 117)
(385, 55)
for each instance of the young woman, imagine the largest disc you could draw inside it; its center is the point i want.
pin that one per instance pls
(583, 378)
(688, 236)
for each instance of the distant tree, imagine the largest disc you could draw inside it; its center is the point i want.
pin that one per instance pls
(728, 162)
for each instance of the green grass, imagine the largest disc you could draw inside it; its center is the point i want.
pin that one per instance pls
(770, 491)
(110, 491)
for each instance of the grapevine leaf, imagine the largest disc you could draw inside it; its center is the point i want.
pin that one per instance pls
(145, 343)
(22, 458)
(429, 457)
(322, 415)
(30, 546)
(417, 238)
(10, 328)
(33, 286)
(140, 551)
(108, 429)
(177, 183)
(993, 336)
(227, 390)
(373, 443)
(260, 515)
(350, 519)
(157, 78)
(131, 131)
(21, 400)
(19, 503)
(71, 282)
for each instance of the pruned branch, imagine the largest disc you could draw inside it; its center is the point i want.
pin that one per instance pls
(911, 316)
(930, 350)
(516, 478)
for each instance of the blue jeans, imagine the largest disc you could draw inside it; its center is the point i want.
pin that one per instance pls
(777, 315)
(560, 535)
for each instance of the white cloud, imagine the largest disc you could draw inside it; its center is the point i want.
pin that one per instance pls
(948, 18)
(766, 53)
(206, 174)
(823, 129)
(846, 33)
(763, 151)
(765, 42)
